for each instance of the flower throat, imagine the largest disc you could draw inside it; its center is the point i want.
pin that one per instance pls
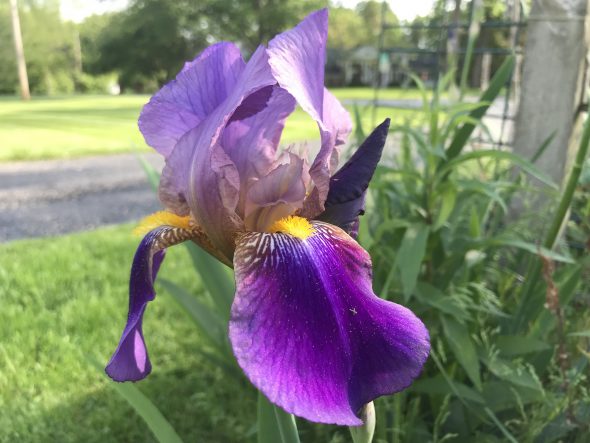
(293, 225)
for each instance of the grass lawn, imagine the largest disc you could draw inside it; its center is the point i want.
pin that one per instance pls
(75, 126)
(66, 298)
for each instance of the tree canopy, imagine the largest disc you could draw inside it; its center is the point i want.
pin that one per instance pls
(146, 44)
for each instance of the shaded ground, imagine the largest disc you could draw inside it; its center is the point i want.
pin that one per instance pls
(58, 196)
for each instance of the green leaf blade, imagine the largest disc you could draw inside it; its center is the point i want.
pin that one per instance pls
(462, 346)
(274, 424)
(410, 256)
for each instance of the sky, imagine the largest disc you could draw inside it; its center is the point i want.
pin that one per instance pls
(403, 9)
(78, 10)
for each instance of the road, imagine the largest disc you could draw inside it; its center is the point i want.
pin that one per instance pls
(45, 198)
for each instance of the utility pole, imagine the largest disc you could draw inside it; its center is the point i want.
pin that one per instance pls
(20, 53)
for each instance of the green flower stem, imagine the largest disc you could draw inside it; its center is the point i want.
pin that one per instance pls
(570, 188)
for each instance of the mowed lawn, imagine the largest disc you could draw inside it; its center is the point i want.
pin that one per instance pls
(63, 306)
(75, 126)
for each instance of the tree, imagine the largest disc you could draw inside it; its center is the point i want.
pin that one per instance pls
(347, 29)
(253, 22)
(90, 31)
(371, 13)
(148, 43)
(48, 45)
(19, 52)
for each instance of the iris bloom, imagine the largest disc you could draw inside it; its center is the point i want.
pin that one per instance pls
(305, 325)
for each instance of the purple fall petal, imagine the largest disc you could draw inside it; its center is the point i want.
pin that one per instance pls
(131, 362)
(184, 102)
(346, 198)
(310, 333)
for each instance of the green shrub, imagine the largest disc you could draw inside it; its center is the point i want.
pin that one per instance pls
(502, 367)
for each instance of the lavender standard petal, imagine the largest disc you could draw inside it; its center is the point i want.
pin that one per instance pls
(297, 58)
(251, 141)
(184, 102)
(310, 333)
(203, 172)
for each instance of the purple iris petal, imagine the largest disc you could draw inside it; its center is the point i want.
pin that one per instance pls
(297, 58)
(253, 104)
(276, 195)
(219, 124)
(251, 142)
(346, 198)
(310, 333)
(184, 102)
(203, 171)
(206, 169)
(131, 362)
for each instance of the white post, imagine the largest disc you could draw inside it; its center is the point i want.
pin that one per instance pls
(552, 78)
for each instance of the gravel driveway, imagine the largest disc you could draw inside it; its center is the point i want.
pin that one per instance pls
(54, 197)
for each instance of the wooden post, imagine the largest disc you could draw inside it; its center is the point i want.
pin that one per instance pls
(554, 61)
(20, 53)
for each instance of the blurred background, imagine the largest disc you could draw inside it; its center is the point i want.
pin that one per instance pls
(479, 217)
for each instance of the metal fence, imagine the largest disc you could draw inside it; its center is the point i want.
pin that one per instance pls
(432, 62)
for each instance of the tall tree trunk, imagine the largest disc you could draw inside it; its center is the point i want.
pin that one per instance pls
(20, 53)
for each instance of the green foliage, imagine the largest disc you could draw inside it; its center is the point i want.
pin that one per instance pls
(274, 424)
(148, 43)
(161, 428)
(252, 22)
(346, 29)
(350, 28)
(437, 231)
(48, 45)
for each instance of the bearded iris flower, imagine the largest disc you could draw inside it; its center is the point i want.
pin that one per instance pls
(305, 325)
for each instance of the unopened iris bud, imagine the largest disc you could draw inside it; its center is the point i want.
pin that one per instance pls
(364, 433)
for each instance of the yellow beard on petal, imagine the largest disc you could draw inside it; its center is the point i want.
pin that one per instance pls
(296, 226)
(161, 218)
